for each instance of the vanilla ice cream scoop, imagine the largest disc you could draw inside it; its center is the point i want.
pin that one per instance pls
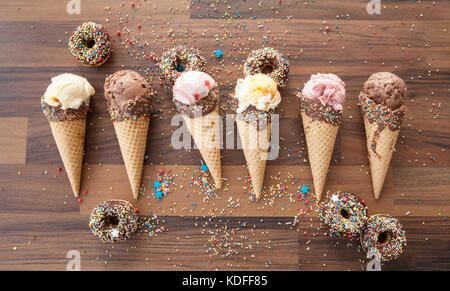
(68, 91)
(257, 90)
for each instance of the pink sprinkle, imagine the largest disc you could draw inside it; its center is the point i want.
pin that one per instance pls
(327, 28)
(85, 192)
(118, 32)
(80, 200)
(344, 199)
(59, 169)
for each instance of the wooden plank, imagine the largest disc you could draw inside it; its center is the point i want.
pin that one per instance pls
(41, 241)
(13, 142)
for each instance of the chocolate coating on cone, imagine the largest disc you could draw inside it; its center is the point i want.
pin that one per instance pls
(56, 114)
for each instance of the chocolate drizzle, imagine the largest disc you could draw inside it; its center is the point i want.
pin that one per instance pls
(382, 115)
(134, 109)
(203, 107)
(57, 114)
(318, 111)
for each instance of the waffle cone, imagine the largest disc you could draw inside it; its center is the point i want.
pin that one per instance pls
(132, 136)
(381, 157)
(205, 130)
(255, 144)
(320, 139)
(69, 138)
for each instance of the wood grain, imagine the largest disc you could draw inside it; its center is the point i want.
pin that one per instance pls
(13, 145)
(42, 221)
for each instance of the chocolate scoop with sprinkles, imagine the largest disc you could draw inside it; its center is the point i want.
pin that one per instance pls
(382, 105)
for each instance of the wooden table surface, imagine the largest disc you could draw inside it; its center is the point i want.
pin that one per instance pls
(42, 221)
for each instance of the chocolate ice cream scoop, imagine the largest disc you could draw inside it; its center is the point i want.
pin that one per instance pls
(387, 89)
(128, 95)
(123, 86)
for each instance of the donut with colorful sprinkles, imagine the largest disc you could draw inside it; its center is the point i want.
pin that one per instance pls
(90, 44)
(113, 221)
(344, 213)
(177, 60)
(268, 61)
(385, 235)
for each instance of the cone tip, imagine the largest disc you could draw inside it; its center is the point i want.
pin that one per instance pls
(318, 196)
(257, 192)
(136, 193)
(377, 194)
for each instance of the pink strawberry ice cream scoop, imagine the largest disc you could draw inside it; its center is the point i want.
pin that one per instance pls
(192, 86)
(327, 89)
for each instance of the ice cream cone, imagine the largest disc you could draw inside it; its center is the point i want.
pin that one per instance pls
(320, 139)
(380, 156)
(205, 130)
(255, 144)
(69, 138)
(132, 136)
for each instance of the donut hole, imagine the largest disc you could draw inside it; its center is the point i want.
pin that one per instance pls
(111, 221)
(180, 65)
(89, 43)
(267, 69)
(383, 238)
(345, 213)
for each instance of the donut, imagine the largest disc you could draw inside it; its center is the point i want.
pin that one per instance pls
(385, 235)
(177, 60)
(268, 61)
(344, 213)
(90, 44)
(113, 221)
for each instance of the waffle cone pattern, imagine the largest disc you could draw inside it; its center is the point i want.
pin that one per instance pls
(255, 144)
(320, 139)
(381, 158)
(132, 136)
(205, 130)
(69, 138)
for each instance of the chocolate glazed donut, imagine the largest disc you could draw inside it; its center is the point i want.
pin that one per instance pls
(113, 221)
